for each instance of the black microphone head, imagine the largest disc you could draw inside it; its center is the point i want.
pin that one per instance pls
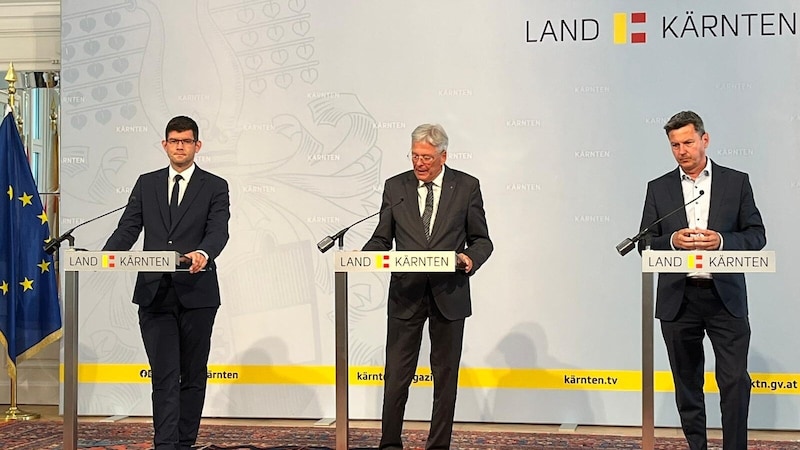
(51, 246)
(702, 192)
(325, 244)
(625, 246)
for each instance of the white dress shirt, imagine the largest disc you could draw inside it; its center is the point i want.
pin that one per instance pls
(186, 174)
(697, 211)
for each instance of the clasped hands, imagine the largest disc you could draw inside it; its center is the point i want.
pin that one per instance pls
(696, 239)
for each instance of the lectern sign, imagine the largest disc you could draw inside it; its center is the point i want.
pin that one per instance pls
(164, 261)
(734, 261)
(419, 261)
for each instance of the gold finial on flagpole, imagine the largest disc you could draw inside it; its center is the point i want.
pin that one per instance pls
(11, 77)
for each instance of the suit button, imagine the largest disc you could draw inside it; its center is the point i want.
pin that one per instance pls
(169, 242)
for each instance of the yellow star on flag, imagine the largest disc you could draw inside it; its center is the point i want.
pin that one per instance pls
(10, 192)
(45, 266)
(43, 216)
(26, 199)
(4, 287)
(27, 284)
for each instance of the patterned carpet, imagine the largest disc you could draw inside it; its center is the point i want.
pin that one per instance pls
(47, 435)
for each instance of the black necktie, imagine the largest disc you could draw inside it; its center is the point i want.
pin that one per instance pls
(428, 212)
(173, 200)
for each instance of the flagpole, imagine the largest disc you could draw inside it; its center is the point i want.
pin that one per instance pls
(14, 413)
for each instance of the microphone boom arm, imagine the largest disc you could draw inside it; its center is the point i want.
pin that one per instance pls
(327, 242)
(628, 244)
(54, 244)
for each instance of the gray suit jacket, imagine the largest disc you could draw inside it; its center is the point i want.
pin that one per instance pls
(459, 226)
(733, 214)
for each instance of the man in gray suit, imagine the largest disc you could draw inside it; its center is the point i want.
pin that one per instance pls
(723, 217)
(443, 210)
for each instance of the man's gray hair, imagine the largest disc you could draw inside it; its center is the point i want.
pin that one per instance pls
(433, 134)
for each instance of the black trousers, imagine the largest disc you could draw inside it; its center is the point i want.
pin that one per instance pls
(702, 313)
(403, 341)
(177, 341)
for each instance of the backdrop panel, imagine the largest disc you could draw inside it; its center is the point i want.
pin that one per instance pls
(306, 108)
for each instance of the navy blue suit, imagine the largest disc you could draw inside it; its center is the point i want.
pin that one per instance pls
(177, 311)
(689, 308)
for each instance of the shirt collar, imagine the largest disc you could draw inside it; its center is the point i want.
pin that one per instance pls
(186, 174)
(706, 170)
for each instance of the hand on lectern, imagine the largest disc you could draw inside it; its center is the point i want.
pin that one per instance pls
(197, 259)
(463, 262)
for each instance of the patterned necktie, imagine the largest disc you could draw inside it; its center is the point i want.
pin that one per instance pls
(428, 212)
(173, 200)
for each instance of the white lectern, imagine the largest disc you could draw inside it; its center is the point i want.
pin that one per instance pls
(661, 261)
(345, 262)
(73, 262)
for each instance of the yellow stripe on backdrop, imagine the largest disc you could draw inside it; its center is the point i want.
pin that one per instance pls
(470, 377)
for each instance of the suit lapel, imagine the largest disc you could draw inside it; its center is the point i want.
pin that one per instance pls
(161, 194)
(675, 192)
(411, 209)
(718, 184)
(445, 201)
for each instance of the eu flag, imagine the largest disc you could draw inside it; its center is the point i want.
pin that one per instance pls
(30, 316)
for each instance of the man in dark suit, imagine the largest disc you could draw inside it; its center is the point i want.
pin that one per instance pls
(185, 209)
(443, 210)
(725, 217)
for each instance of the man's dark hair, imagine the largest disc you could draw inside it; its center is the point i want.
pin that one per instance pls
(684, 118)
(182, 123)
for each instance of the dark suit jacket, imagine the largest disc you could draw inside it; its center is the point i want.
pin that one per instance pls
(202, 224)
(732, 213)
(459, 226)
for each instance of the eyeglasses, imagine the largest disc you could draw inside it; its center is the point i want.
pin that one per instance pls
(182, 141)
(427, 159)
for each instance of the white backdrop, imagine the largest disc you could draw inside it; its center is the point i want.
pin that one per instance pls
(306, 107)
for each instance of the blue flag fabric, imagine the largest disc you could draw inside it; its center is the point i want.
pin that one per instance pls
(30, 315)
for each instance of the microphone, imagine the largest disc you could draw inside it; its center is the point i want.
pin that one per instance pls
(54, 244)
(327, 242)
(629, 243)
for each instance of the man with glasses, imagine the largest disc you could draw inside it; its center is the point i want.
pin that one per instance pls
(439, 209)
(185, 209)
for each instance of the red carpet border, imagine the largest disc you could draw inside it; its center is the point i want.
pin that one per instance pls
(48, 435)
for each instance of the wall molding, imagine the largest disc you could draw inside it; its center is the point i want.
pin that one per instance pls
(30, 36)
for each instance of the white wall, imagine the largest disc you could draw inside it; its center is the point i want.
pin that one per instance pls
(30, 35)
